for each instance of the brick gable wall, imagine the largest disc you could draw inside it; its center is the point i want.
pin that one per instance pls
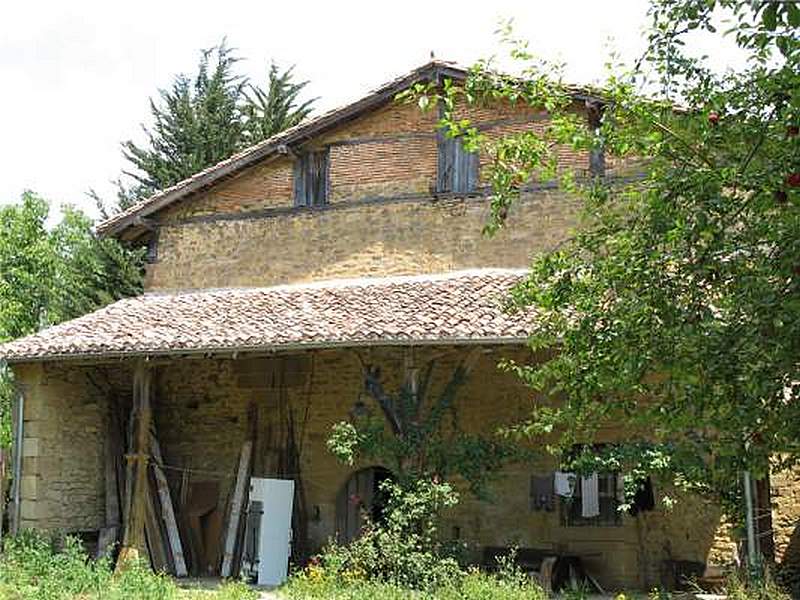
(383, 218)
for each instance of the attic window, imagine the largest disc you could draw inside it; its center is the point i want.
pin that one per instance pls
(458, 168)
(311, 178)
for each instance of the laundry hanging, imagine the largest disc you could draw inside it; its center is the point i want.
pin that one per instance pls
(564, 483)
(542, 496)
(590, 496)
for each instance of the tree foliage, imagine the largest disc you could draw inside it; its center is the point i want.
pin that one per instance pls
(52, 274)
(206, 118)
(674, 309)
(418, 436)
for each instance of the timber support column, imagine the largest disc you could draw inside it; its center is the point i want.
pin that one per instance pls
(136, 486)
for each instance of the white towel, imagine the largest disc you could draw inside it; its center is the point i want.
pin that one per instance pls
(590, 496)
(564, 483)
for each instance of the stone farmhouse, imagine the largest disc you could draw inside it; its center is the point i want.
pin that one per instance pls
(276, 280)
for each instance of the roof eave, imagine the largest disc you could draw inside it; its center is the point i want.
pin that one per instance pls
(234, 351)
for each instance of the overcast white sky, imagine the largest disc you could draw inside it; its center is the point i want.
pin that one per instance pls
(76, 75)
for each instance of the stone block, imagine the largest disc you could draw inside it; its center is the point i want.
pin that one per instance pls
(30, 447)
(29, 488)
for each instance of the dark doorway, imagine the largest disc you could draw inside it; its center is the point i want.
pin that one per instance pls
(361, 496)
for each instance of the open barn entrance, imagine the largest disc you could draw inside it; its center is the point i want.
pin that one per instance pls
(360, 497)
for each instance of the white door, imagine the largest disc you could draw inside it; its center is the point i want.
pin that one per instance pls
(277, 496)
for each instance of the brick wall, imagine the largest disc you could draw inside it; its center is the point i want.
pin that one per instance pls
(382, 220)
(202, 411)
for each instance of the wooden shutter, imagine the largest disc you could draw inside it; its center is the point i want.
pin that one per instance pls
(311, 175)
(458, 169)
(465, 174)
(444, 176)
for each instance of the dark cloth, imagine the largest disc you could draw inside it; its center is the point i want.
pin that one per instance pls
(543, 495)
(643, 499)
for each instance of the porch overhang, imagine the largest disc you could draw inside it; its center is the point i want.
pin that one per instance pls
(466, 307)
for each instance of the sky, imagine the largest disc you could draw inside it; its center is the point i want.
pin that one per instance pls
(75, 77)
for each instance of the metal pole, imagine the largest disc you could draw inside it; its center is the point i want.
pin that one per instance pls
(18, 437)
(752, 550)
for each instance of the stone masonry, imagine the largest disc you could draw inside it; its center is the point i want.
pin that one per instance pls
(384, 218)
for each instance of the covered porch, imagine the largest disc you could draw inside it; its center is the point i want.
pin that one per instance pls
(212, 372)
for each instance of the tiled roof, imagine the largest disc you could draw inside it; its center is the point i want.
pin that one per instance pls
(459, 307)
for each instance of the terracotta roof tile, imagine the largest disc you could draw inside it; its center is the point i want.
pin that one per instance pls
(452, 308)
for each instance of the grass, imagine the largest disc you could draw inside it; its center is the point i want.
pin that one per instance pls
(34, 567)
(314, 584)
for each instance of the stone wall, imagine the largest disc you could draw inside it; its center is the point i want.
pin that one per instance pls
(383, 218)
(359, 240)
(64, 423)
(204, 409)
(785, 497)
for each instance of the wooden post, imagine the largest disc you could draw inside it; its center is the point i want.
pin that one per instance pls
(133, 539)
(167, 510)
(242, 477)
(108, 535)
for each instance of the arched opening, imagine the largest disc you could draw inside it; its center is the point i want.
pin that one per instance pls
(360, 496)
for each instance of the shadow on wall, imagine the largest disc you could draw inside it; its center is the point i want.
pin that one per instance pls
(789, 564)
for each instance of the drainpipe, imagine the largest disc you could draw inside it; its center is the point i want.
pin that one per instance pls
(752, 550)
(17, 482)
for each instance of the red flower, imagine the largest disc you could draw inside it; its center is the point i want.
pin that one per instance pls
(793, 180)
(713, 118)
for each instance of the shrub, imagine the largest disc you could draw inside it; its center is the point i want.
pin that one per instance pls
(34, 566)
(37, 567)
(755, 588)
(404, 549)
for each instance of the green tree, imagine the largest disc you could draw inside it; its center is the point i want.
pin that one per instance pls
(50, 275)
(674, 309)
(418, 435)
(278, 107)
(204, 119)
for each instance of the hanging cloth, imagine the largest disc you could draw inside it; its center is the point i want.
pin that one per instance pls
(590, 496)
(564, 483)
(542, 493)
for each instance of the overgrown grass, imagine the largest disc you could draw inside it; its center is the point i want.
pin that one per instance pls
(34, 567)
(471, 585)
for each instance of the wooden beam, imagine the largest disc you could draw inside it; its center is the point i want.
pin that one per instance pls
(167, 510)
(159, 559)
(113, 450)
(242, 477)
(134, 539)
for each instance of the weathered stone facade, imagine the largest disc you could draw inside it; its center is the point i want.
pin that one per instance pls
(203, 410)
(383, 218)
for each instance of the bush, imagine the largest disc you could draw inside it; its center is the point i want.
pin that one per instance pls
(404, 548)
(756, 588)
(402, 555)
(37, 567)
(313, 583)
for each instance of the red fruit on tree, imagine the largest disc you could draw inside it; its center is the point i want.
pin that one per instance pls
(793, 180)
(713, 118)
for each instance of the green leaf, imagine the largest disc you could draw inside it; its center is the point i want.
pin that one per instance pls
(770, 16)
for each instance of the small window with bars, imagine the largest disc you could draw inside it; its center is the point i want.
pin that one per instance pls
(458, 168)
(311, 178)
(609, 494)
